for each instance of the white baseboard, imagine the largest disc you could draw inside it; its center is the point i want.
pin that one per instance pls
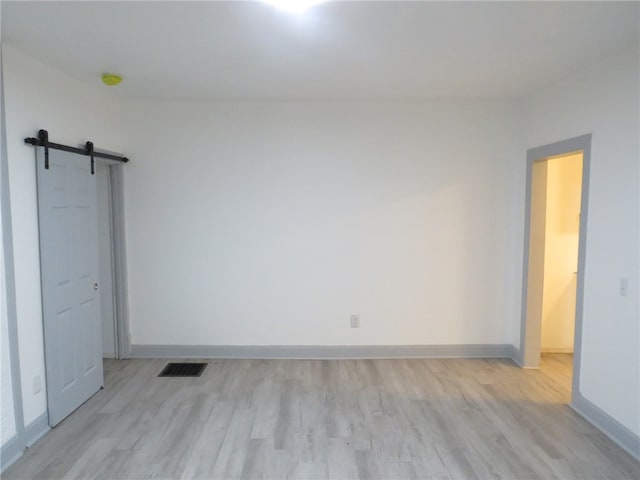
(36, 429)
(322, 352)
(14, 448)
(11, 451)
(608, 425)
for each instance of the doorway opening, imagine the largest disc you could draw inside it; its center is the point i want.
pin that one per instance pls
(555, 239)
(113, 289)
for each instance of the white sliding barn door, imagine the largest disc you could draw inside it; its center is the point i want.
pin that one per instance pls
(69, 271)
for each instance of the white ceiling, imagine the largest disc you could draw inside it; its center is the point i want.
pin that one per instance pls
(337, 50)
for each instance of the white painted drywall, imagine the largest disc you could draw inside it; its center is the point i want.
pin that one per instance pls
(342, 49)
(271, 223)
(604, 100)
(37, 96)
(562, 233)
(7, 415)
(103, 187)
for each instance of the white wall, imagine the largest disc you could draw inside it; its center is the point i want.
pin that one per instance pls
(562, 234)
(7, 415)
(271, 223)
(37, 96)
(604, 100)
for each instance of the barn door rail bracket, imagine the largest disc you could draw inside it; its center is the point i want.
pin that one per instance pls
(43, 141)
(89, 147)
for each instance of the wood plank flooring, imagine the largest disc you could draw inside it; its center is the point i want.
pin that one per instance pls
(342, 419)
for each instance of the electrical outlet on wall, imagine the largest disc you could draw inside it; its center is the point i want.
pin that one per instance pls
(37, 384)
(355, 321)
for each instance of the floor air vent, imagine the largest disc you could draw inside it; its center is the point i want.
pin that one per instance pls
(183, 370)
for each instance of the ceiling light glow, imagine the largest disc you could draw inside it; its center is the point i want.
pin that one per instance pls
(294, 6)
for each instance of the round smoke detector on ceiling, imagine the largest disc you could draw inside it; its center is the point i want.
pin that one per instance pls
(111, 79)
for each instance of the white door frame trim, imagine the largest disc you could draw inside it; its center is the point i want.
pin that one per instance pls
(529, 356)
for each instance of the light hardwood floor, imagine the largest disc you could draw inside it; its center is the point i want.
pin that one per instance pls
(445, 419)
